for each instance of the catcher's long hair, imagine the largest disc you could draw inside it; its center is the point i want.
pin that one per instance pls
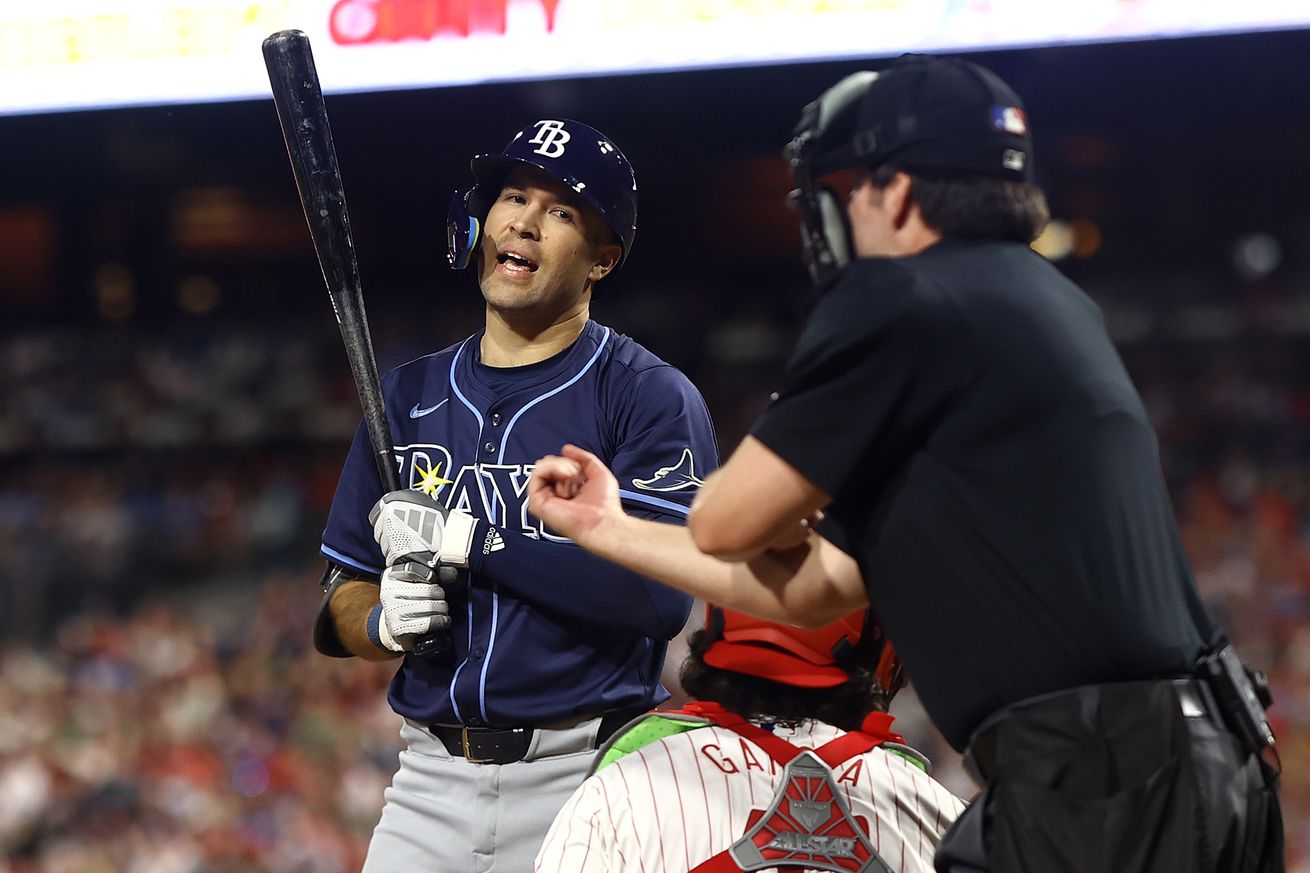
(837, 674)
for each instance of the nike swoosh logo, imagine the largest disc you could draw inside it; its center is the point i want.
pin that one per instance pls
(419, 413)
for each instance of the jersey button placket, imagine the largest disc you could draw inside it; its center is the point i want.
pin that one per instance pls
(495, 419)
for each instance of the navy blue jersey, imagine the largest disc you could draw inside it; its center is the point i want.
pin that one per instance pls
(546, 631)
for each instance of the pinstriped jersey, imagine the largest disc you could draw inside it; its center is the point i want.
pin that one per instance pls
(671, 805)
(543, 630)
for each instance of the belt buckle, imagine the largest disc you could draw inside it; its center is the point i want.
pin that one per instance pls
(468, 752)
(1190, 699)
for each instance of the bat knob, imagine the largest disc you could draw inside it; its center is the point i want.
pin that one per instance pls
(433, 644)
(285, 37)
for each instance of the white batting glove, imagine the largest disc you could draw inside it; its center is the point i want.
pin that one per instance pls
(413, 605)
(410, 525)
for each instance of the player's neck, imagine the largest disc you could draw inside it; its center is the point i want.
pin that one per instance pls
(511, 342)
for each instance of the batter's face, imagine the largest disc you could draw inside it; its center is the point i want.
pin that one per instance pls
(542, 248)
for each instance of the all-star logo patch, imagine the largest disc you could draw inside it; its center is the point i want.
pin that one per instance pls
(811, 813)
(808, 825)
(673, 478)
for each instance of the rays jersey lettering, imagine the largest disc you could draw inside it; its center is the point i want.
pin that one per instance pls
(469, 435)
(488, 491)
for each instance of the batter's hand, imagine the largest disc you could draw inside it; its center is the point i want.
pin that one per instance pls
(411, 526)
(575, 494)
(413, 605)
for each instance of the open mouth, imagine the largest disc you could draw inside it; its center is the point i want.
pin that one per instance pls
(516, 263)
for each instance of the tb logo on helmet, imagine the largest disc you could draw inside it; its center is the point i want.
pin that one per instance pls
(550, 138)
(593, 167)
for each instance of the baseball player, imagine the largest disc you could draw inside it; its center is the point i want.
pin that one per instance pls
(787, 758)
(957, 410)
(549, 648)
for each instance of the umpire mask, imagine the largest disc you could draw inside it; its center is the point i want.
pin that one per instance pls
(825, 231)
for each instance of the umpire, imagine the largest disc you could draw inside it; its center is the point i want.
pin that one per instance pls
(958, 412)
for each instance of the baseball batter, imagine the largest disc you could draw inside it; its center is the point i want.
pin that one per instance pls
(552, 648)
(787, 757)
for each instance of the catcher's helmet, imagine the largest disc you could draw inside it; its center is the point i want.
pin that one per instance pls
(820, 658)
(578, 155)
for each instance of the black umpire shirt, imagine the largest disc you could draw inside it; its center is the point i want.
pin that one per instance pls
(994, 474)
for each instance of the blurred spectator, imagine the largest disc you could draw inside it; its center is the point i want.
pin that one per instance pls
(191, 734)
(161, 709)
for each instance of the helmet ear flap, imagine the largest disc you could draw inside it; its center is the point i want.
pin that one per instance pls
(463, 229)
(890, 673)
(873, 646)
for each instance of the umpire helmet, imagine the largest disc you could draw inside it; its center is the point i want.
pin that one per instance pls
(580, 156)
(819, 658)
(924, 113)
(932, 115)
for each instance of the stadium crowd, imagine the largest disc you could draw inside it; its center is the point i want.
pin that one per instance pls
(161, 709)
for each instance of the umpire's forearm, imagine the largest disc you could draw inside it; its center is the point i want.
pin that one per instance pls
(350, 606)
(811, 585)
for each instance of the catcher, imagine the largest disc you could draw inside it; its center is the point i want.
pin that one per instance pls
(787, 759)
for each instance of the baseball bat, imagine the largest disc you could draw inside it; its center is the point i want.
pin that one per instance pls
(303, 115)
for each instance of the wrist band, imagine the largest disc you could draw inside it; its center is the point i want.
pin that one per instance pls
(374, 627)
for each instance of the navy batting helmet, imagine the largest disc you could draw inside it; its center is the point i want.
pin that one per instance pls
(580, 156)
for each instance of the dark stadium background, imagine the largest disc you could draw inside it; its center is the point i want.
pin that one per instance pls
(176, 403)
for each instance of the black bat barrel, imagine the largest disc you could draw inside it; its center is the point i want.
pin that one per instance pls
(303, 114)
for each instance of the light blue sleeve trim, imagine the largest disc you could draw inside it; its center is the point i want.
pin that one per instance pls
(349, 562)
(667, 505)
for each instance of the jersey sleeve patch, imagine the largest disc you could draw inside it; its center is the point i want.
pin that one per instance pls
(674, 477)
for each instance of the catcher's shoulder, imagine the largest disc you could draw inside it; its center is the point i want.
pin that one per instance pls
(643, 731)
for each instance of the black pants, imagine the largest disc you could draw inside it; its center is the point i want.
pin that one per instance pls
(1133, 777)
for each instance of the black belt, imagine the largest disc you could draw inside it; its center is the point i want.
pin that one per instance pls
(505, 746)
(1067, 710)
(1196, 700)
